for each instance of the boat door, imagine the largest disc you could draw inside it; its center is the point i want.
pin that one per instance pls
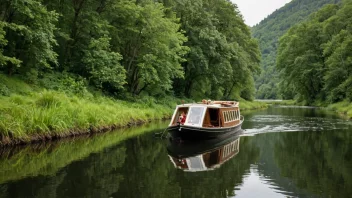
(195, 116)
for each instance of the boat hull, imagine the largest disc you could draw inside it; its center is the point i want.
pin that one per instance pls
(194, 133)
(194, 148)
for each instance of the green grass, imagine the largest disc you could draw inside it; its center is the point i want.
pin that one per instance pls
(280, 102)
(247, 105)
(344, 108)
(49, 113)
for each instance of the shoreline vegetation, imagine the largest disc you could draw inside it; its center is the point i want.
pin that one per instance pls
(47, 158)
(31, 113)
(343, 108)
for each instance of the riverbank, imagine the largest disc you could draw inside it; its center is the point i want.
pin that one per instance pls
(47, 158)
(31, 113)
(344, 108)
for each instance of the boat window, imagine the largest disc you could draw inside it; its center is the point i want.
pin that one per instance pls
(195, 116)
(230, 116)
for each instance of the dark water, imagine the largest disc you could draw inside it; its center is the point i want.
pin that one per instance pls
(284, 152)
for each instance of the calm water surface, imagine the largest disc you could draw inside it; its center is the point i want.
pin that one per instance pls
(284, 152)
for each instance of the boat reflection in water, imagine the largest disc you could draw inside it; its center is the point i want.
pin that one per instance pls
(204, 155)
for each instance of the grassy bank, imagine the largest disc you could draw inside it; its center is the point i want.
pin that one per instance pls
(47, 158)
(30, 113)
(49, 114)
(344, 108)
(280, 102)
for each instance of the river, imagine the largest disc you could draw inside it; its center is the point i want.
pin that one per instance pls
(282, 152)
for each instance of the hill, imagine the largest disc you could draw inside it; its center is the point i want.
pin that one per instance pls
(269, 31)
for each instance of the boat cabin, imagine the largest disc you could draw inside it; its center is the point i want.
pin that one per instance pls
(209, 115)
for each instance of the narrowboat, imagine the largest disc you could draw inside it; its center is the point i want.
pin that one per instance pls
(203, 155)
(205, 120)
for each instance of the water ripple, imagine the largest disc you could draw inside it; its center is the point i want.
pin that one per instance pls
(282, 123)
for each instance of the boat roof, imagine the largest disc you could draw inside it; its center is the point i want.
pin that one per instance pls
(213, 104)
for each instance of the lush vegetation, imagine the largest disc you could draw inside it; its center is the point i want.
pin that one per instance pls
(315, 57)
(187, 48)
(268, 33)
(109, 62)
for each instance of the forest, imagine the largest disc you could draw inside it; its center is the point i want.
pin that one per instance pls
(130, 48)
(315, 57)
(268, 32)
(74, 67)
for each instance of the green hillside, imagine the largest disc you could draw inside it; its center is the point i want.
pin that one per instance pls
(269, 31)
(315, 57)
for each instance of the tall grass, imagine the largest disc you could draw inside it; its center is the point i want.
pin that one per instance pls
(247, 105)
(49, 113)
(344, 108)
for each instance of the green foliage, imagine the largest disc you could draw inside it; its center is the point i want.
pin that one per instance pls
(223, 57)
(151, 45)
(14, 85)
(344, 107)
(186, 48)
(143, 51)
(64, 82)
(315, 56)
(268, 32)
(3, 42)
(103, 65)
(26, 36)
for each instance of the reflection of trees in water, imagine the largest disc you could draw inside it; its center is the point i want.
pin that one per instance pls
(268, 168)
(320, 162)
(138, 167)
(94, 176)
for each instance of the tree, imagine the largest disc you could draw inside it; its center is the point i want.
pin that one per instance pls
(26, 36)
